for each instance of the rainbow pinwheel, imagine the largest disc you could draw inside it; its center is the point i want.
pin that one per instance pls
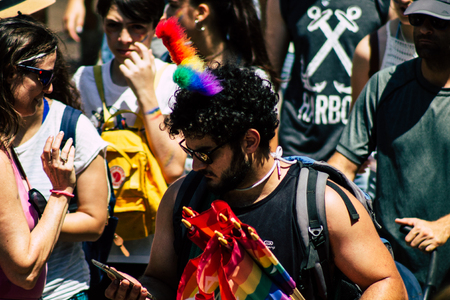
(191, 72)
(235, 262)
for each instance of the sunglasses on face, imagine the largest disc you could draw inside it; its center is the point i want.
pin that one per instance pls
(44, 76)
(37, 200)
(436, 23)
(204, 157)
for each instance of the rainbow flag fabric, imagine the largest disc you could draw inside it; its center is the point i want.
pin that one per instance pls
(235, 262)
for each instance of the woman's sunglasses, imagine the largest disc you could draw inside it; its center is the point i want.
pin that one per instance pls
(37, 200)
(44, 76)
(418, 19)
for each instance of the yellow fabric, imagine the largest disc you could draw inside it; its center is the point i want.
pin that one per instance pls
(138, 196)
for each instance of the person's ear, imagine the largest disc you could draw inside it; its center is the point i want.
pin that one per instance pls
(11, 77)
(203, 12)
(251, 141)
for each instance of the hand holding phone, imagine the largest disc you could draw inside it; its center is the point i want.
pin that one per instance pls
(116, 275)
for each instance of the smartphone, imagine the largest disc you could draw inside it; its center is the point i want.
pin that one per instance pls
(116, 275)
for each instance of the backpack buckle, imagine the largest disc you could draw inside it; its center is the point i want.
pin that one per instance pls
(315, 232)
(318, 237)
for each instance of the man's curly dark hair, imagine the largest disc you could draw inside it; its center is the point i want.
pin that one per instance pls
(245, 102)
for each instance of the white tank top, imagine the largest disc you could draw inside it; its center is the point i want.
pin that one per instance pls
(397, 50)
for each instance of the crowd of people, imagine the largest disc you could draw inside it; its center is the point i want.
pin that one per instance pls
(367, 92)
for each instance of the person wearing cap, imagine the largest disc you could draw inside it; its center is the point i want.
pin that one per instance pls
(403, 111)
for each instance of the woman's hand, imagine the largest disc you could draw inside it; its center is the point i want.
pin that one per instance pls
(59, 166)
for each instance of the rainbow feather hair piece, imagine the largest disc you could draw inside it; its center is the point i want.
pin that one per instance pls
(191, 73)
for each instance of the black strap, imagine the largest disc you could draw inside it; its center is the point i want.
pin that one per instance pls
(69, 126)
(351, 209)
(184, 196)
(315, 229)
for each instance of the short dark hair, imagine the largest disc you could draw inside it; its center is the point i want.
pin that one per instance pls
(143, 11)
(246, 102)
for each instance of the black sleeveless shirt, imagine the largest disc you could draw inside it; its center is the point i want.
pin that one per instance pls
(275, 221)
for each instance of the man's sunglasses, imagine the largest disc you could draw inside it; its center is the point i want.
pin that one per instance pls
(37, 200)
(204, 157)
(44, 76)
(418, 19)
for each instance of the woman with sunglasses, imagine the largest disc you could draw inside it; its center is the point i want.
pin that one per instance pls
(68, 272)
(26, 243)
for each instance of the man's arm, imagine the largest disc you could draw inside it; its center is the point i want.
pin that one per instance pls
(342, 163)
(160, 277)
(426, 235)
(276, 35)
(359, 252)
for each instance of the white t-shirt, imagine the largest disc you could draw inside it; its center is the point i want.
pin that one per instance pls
(68, 271)
(121, 97)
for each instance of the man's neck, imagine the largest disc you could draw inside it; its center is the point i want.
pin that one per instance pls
(239, 198)
(437, 73)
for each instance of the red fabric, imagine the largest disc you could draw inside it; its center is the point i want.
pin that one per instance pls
(235, 268)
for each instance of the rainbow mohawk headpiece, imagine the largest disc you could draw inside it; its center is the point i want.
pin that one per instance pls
(191, 73)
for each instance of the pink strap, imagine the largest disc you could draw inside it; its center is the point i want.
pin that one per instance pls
(62, 193)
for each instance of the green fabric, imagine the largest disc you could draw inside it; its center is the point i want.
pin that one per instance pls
(407, 119)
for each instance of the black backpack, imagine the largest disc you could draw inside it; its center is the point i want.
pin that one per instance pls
(310, 206)
(98, 250)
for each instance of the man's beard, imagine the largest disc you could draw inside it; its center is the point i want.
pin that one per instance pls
(233, 176)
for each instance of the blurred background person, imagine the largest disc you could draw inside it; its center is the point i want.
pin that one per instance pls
(84, 26)
(127, 80)
(224, 31)
(324, 34)
(390, 45)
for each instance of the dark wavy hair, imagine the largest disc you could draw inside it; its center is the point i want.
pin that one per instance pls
(246, 102)
(239, 23)
(21, 38)
(143, 11)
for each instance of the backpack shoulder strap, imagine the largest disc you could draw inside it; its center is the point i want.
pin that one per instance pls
(311, 218)
(101, 91)
(69, 126)
(184, 197)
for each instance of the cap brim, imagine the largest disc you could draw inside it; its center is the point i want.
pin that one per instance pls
(11, 8)
(434, 8)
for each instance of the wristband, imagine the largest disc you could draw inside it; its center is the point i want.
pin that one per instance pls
(153, 111)
(62, 193)
(155, 115)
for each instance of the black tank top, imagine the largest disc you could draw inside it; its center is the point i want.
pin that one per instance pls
(275, 220)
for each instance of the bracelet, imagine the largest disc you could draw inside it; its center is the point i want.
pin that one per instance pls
(62, 193)
(153, 111)
(155, 115)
